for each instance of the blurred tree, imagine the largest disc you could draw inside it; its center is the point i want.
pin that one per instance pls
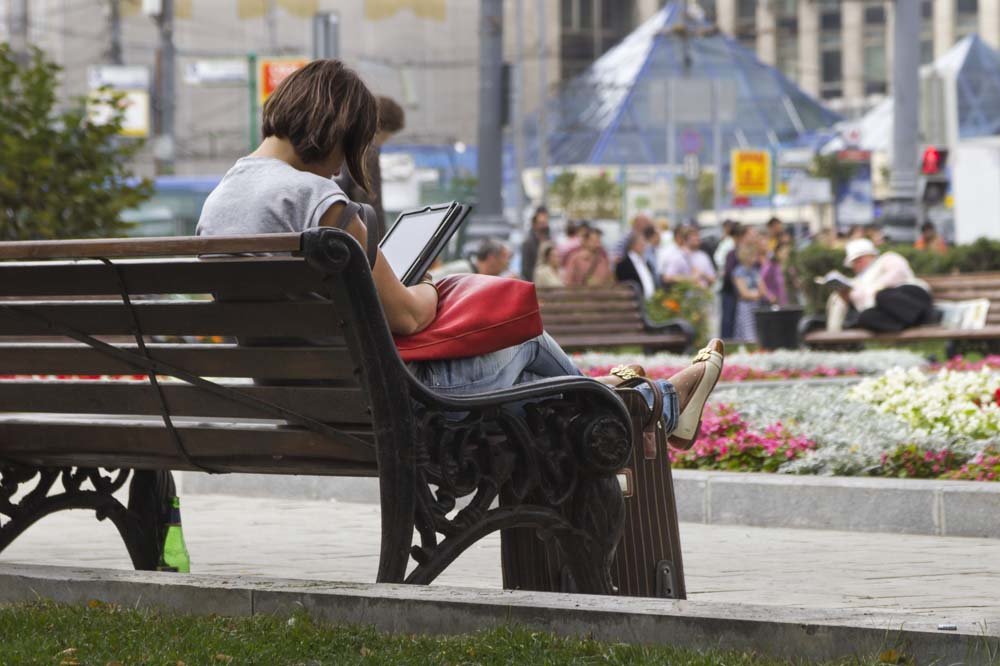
(563, 190)
(832, 168)
(63, 174)
(601, 195)
(706, 192)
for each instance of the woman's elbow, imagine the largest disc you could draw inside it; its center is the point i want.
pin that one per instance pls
(405, 324)
(411, 323)
(423, 319)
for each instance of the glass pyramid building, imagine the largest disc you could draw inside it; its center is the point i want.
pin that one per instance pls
(973, 67)
(619, 110)
(976, 68)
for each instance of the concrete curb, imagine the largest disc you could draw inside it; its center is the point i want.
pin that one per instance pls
(859, 504)
(801, 633)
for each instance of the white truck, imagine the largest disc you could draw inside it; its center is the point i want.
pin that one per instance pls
(975, 181)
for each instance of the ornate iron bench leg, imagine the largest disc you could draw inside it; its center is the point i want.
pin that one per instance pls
(561, 510)
(140, 525)
(396, 496)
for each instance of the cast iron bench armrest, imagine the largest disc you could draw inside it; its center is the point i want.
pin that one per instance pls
(543, 388)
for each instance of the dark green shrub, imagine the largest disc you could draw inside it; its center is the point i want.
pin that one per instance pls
(982, 255)
(811, 262)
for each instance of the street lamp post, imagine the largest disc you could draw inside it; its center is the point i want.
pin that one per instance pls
(901, 210)
(489, 219)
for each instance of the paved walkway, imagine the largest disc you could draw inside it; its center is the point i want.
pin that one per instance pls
(947, 578)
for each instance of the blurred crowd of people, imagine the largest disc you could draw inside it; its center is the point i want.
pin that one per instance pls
(747, 268)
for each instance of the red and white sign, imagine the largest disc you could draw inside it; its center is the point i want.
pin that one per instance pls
(272, 71)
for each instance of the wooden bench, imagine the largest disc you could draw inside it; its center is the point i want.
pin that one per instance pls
(582, 318)
(944, 288)
(316, 388)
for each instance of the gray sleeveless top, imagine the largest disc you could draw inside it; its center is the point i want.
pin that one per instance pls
(263, 195)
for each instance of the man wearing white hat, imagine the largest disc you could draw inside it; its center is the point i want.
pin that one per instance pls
(886, 294)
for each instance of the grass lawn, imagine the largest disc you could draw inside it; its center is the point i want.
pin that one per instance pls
(105, 635)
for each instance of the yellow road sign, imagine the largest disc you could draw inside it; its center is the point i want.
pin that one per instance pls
(751, 173)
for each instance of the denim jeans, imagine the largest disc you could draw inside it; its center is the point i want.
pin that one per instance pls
(529, 361)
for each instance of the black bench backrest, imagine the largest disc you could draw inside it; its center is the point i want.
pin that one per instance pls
(352, 382)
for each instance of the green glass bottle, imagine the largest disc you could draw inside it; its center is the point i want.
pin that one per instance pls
(175, 555)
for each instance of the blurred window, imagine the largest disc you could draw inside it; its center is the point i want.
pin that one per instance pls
(829, 17)
(567, 13)
(875, 63)
(586, 9)
(746, 9)
(967, 19)
(875, 15)
(831, 66)
(926, 51)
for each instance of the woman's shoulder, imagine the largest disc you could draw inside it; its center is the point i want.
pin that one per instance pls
(266, 195)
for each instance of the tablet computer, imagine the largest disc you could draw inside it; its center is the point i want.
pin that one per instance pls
(417, 237)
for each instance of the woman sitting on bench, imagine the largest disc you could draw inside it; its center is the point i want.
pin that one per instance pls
(323, 117)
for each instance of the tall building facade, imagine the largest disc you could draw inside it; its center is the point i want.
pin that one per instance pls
(423, 53)
(841, 50)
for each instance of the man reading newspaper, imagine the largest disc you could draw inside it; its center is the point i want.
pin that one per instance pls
(885, 295)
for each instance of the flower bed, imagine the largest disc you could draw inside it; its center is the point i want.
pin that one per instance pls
(727, 442)
(947, 404)
(905, 423)
(743, 366)
(961, 363)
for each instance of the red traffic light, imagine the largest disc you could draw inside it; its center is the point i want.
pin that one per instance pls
(933, 160)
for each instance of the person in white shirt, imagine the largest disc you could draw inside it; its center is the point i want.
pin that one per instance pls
(886, 294)
(725, 245)
(673, 262)
(703, 270)
(686, 261)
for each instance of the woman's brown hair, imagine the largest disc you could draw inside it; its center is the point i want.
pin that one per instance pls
(320, 106)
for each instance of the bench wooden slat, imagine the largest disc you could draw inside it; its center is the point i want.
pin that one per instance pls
(602, 318)
(273, 276)
(331, 404)
(655, 340)
(918, 333)
(37, 435)
(966, 294)
(602, 308)
(150, 247)
(258, 319)
(333, 363)
(632, 319)
(607, 326)
(962, 278)
(585, 295)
